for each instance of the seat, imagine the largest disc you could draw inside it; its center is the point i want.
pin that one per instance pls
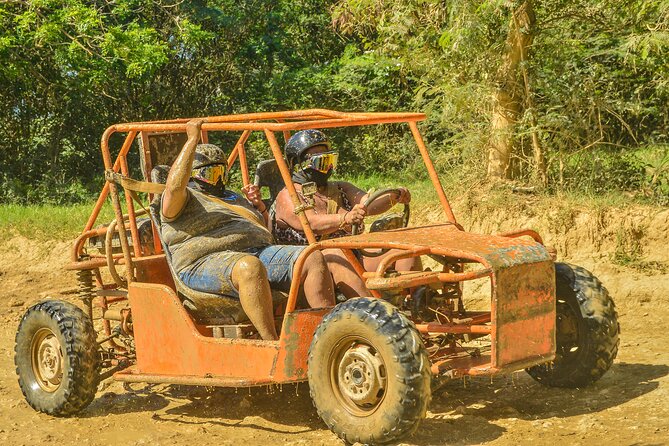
(205, 308)
(268, 175)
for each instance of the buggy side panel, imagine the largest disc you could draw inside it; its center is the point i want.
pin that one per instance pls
(168, 342)
(153, 269)
(523, 314)
(296, 335)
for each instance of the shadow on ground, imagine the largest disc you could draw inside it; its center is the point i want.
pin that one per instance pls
(284, 409)
(462, 411)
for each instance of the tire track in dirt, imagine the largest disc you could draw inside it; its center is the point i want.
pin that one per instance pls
(628, 405)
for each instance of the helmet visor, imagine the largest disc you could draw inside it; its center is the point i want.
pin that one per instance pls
(322, 162)
(211, 174)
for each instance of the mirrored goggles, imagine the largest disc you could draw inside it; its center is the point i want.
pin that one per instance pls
(211, 174)
(322, 162)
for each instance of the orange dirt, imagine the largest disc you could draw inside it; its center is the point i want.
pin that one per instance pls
(628, 406)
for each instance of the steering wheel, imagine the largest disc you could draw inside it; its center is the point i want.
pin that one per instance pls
(355, 228)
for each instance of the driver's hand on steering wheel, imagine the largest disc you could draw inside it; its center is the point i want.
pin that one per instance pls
(356, 215)
(404, 196)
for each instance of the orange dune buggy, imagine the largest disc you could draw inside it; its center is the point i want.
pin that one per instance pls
(370, 362)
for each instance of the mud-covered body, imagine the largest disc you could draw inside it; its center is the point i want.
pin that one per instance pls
(522, 317)
(520, 322)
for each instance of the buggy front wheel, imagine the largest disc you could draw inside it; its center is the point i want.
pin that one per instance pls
(369, 375)
(56, 358)
(587, 330)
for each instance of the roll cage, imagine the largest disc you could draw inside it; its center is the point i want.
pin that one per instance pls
(267, 123)
(498, 255)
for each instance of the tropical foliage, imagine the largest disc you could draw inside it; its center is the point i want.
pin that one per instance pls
(591, 90)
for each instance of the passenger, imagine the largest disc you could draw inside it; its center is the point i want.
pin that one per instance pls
(337, 205)
(222, 246)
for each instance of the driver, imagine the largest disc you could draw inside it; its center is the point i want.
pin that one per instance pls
(222, 246)
(337, 205)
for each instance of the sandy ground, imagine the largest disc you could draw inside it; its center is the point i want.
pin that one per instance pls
(627, 406)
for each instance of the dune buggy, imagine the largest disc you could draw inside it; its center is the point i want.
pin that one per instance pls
(370, 362)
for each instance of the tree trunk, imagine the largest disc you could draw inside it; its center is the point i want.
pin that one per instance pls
(509, 97)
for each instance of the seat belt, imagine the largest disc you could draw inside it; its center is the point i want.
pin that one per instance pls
(134, 186)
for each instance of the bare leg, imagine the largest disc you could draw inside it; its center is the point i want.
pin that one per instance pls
(410, 264)
(250, 278)
(345, 277)
(317, 282)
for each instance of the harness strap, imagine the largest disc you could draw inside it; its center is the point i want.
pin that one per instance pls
(241, 211)
(332, 192)
(134, 186)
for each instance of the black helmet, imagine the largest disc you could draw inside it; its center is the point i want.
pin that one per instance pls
(302, 141)
(206, 154)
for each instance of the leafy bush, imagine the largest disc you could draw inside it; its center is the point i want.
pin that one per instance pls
(655, 160)
(46, 192)
(599, 171)
(597, 91)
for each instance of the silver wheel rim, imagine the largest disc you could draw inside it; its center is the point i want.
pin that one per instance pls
(47, 360)
(358, 376)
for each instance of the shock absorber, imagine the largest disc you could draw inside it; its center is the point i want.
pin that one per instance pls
(86, 288)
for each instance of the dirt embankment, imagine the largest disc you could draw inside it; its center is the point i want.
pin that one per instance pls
(627, 249)
(628, 406)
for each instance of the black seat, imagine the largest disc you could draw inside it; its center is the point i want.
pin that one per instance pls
(268, 175)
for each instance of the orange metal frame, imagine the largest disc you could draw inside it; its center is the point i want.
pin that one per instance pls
(172, 348)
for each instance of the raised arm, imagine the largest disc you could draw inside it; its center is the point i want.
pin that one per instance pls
(174, 196)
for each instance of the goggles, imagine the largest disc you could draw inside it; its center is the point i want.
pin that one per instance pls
(211, 174)
(322, 162)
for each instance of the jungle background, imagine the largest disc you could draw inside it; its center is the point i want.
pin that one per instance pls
(550, 115)
(568, 96)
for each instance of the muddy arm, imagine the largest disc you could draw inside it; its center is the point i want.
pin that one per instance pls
(174, 197)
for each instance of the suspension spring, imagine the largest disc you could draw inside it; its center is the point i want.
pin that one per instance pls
(86, 288)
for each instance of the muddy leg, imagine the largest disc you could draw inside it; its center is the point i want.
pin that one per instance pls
(317, 282)
(250, 279)
(410, 264)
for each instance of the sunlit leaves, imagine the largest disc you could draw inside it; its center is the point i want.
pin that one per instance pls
(599, 76)
(139, 49)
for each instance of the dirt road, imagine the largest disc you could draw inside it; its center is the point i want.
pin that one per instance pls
(628, 406)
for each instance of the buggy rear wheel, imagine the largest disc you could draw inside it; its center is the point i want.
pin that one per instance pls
(369, 375)
(56, 358)
(587, 331)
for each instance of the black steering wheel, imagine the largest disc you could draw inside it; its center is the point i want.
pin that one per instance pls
(355, 228)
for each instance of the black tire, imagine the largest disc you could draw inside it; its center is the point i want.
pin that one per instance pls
(367, 348)
(587, 331)
(56, 358)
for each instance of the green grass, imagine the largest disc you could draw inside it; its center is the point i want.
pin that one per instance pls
(51, 222)
(422, 191)
(48, 222)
